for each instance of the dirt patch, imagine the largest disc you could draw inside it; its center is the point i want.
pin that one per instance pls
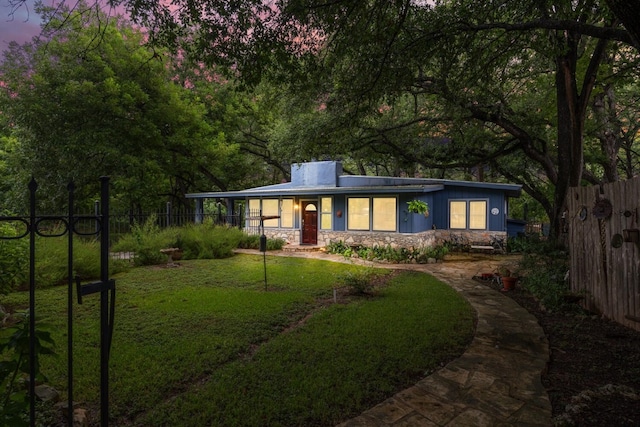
(593, 376)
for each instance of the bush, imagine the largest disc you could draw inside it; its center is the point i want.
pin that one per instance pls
(388, 253)
(51, 266)
(15, 368)
(146, 240)
(359, 282)
(544, 268)
(252, 241)
(14, 259)
(208, 241)
(52, 260)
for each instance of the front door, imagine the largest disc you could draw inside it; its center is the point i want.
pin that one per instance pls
(309, 223)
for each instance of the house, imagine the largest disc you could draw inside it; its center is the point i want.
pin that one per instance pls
(322, 205)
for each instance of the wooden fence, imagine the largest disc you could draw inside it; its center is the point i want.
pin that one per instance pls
(603, 224)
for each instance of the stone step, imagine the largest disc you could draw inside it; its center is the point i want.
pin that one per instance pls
(302, 248)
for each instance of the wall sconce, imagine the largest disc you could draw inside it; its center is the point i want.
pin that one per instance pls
(295, 206)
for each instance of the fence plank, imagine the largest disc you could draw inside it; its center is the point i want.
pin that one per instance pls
(609, 276)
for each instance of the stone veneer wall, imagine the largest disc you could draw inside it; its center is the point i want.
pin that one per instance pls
(395, 240)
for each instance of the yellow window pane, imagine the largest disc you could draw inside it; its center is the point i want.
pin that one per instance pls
(384, 214)
(458, 214)
(478, 215)
(286, 213)
(326, 213)
(254, 206)
(270, 208)
(358, 216)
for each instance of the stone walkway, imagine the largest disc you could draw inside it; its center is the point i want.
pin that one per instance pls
(496, 382)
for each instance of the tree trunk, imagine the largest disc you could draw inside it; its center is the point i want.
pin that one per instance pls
(572, 103)
(569, 138)
(610, 134)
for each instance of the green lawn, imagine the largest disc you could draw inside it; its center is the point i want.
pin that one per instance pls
(206, 345)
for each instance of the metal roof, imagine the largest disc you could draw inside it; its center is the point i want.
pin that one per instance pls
(287, 190)
(320, 179)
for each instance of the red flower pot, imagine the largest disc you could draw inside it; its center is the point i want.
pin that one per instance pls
(508, 283)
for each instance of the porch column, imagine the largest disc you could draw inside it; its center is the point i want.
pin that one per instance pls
(199, 215)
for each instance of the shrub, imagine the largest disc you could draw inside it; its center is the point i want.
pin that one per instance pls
(52, 260)
(146, 240)
(14, 259)
(252, 241)
(544, 268)
(51, 266)
(14, 369)
(388, 253)
(359, 282)
(208, 241)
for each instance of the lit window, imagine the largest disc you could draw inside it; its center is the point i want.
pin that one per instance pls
(470, 214)
(367, 213)
(384, 214)
(457, 214)
(254, 207)
(253, 213)
(286, 213)
(326, 213)
(478, 215)
(270, 208)
(358, 213)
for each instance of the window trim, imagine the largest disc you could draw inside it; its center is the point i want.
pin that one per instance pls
(322, 214)
(261, 200)
(370, 198)
(467, 218)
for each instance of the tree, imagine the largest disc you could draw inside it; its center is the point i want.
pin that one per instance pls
(628, 12)
(481, 77)
(477, 61)
(87, 98)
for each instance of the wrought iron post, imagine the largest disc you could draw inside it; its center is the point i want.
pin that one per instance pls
(33, 187)
(71, 188)
(105, 312)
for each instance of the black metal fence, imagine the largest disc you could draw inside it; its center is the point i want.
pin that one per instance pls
(123, 222)
(67, 225)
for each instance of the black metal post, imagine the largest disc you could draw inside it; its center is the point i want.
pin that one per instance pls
(33, 186)
(105, 332)
(96, 212)
(70, 230)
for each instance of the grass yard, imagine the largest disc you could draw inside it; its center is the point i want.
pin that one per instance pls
(206, 345)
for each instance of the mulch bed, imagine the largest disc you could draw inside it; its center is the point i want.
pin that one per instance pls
(593, 376)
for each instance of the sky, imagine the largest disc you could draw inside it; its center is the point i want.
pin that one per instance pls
(20, 26)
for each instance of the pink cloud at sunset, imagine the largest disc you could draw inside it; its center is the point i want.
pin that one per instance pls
(17, 23)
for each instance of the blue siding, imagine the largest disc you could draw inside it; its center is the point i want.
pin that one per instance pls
(411, 222)
(339, 203)
(494, 198)
(515, 227)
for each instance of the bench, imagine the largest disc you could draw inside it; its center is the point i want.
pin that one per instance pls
(480, 247)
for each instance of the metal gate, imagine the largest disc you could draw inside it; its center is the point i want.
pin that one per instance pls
(69, 226)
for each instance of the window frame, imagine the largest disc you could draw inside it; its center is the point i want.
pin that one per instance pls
(467, 213)
(275, 222)
(371, 214)
(325, 214)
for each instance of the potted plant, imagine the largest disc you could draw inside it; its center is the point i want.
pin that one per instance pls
(419, 207)
(508, 278)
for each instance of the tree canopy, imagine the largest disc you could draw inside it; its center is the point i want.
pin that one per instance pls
(88, 98)
(542, 94)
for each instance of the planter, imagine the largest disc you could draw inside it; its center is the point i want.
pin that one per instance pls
(508, 283)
